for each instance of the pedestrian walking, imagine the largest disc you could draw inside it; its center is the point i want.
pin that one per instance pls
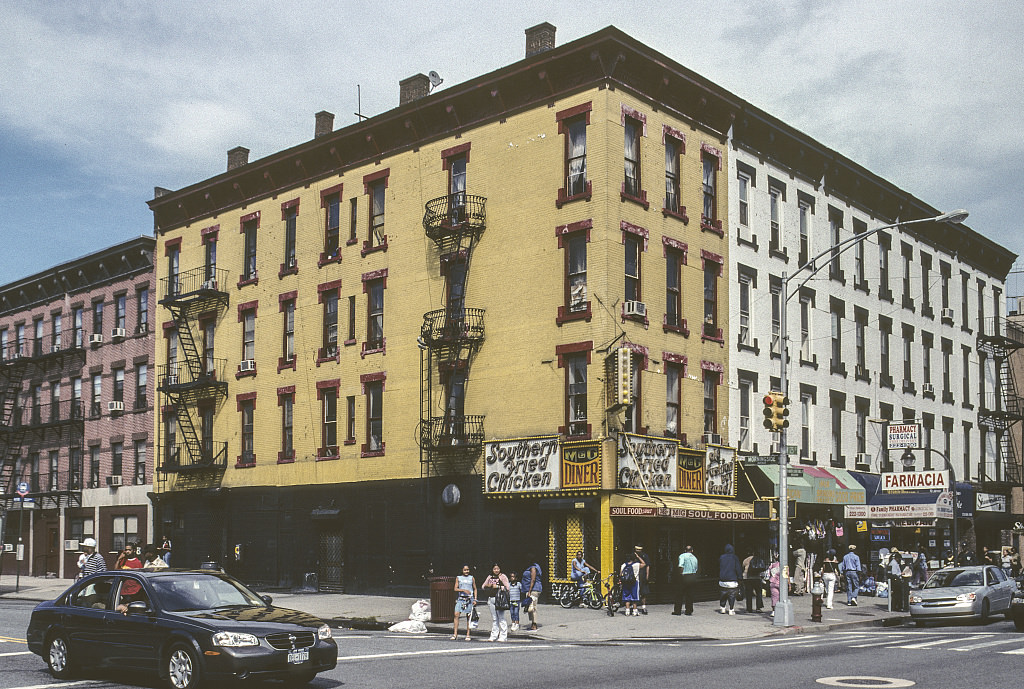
(645, 577)
(687, 581)
(165, 549)
(753, 565)
(829, 575)
(532, 585)
(920, 569)
(514, 595)
(1006, 558)
(94, 562)
(850, 569)
(465, 590)
(730, 571)
(496, 586)
(773, 577)
(798, 586)
(894, 571)
(629, 575)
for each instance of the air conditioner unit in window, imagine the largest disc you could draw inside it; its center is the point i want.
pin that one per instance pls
(172, 379)
(142, 329)
(96, 338)
(635, 308)
(860, 371)
(114, 481)
(862, 461)
(71, 544)
(94, 483)
(113, 407)
(774, 448)
(928, 388)
(947, 315)
(712, 439)
(210, 285)
(247, 365)
(54, 349)
(118, 333)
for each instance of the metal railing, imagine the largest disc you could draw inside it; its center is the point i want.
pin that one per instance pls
(194, 283)
(453, 211)
(180, 375)
(452, 325)
(452, 432)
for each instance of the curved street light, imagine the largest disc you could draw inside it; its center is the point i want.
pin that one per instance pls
(784, 609)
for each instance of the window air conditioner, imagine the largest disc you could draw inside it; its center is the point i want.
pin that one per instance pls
(712, 439)
(54, 349)
(947, 315)
(860, 371)
(114, 481)
(71, 544)
(247, 365)
(115, 406)
(96, 338)
(635, 308)
(142, 329)
(928, 388)
(210, 285)
(118, 333)
(172, 379)
(863, 461)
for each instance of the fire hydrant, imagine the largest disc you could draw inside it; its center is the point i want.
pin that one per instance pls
(816, 592)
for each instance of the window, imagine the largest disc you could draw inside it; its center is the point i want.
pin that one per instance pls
(332, 224)
(944, 274)
(55, 401)
(78, 320)
(350, 420)
(247, 408)
(805, 327)
(374, 314)
(94, 466)
(806, 213)
(926, 358)
(966, 366)
(3, 344)
(576, 272)
(712, 269)
(746, 387)
(633, 246)
(290, 215)
(576, 394)
(75, 465)
(249, 228)
(805, 425)
(353, 220)
(97, 317)
(37, 404)
(76, 398)
(208, 327)
(210, 273)
(116, 459)
(883, 268)
(54, 474)
(456, 165)
(926, 299)
(173, 268)
(374, 416)
(171, 435)
(19, 332)
(885, 368)
(775, 289)
(673, 149)
(860, 227)
(775, 198)
(139, 451)
(97, 395)
(709, 189)
(125, 530)
(860, 342)
(965, 286)
(947, 373)
(206, 412)
(330, 327)
(632, 184)
(837, 339)
(673, 400)
(836, 407)
(58, 325)
(142, 309)
(862, 406)
(907, 256)
(81, 528)
(711, 382)
(37, 338)
(141, 376)
(572, 124)
(744, 195)
(745, 282)
(981, 307)
(119, 385)
(376, 193)
(249, 335)
(329, 428)
(351, 319)
(287, 427)
(835, 223)
(908, 359)
(288, 345)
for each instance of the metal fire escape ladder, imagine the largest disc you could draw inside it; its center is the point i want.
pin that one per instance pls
(12, 431)
(1001, 410)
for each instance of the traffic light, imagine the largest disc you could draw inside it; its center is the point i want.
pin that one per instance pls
(776, 409)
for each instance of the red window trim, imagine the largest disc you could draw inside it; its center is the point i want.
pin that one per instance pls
(634, 230)
(284, 392)
(255, 215)
(286, 296)
(287, 206)
(573, 348)
(570, 113)
(172, 244)
(670, 243)
(561, 351)
(582, 110)
(245, 397)
(375, 177)
(372, 378)
(375, 275)
(561, 232)
(210, 234)
(248, 306)
(453, 152)
(331, 191)
(667, 131)
(322, 385)
(324, 288)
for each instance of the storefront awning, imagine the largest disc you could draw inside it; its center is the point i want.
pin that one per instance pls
(874, 495)
(816, 485)
(676, 506)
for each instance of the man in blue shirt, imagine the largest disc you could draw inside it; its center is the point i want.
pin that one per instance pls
(851, 571)
(687, 581)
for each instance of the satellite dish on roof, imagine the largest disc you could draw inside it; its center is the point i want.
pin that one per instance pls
(435, 79)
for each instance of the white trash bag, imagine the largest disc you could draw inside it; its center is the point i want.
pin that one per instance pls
(414, 625)
(420, 611)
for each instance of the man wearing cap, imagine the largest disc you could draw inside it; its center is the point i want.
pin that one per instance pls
(94, 562)
(645, 576)
(851, 571)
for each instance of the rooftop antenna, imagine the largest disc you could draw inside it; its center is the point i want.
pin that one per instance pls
(435, 79)
(359, 104)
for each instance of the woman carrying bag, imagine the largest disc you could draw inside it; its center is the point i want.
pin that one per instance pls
(496, 589)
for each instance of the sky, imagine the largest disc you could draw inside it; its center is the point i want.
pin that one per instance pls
(100, 102)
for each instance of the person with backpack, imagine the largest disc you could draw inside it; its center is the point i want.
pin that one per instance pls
(753, 565)
(532, 584)
(629, 575)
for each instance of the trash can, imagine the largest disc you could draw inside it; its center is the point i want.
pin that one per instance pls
(442, 599)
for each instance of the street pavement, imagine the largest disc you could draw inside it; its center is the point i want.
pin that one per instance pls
(555, 623)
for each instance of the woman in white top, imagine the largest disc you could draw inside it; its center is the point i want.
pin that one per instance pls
(499, 625)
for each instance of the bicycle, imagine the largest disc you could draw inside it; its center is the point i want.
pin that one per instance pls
(613, 599)
(586, 594)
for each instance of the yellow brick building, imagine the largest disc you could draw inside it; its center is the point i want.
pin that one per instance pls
(368, 337)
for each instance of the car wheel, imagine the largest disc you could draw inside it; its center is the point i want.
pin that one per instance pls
(182, 668)
(58, 658)
(985, 610)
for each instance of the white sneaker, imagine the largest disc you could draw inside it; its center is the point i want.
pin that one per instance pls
(636, 612)
(732, 612)
(722, 610)
(515, 626)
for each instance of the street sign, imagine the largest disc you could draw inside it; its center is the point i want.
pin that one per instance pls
(792, 449)
(23, 488)
(794, 472)
(760, 460)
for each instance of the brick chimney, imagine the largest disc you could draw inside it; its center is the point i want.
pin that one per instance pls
(413, 88)
(237, 157)
(539, 38)
(324, 124)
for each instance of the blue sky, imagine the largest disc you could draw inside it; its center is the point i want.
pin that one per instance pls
(102, 101)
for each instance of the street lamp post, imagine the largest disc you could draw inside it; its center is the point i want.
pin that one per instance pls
(784, 609)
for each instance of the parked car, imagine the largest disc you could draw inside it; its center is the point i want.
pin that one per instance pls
(960, 593)
(1017, 605)
(188, 627)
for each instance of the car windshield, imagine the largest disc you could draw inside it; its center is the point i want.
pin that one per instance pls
(954, 577)
(186, 592)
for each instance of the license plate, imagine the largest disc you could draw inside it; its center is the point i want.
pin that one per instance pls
(299, 656)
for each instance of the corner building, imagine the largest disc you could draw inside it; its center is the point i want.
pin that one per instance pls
(488, 323)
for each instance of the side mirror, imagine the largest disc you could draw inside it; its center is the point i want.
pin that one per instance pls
(138, 607)
(267, 599)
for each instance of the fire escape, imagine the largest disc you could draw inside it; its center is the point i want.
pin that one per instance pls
(194, 383)
(450, 440)
(57, 424)
(1001, 409)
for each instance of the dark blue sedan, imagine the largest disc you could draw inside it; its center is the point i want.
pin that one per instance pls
(188, 627)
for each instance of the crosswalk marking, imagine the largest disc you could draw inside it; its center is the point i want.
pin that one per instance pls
(940, 642)
(766, 642)
(1015, 652)
(16, 653)
(996, 642)
(443, 651)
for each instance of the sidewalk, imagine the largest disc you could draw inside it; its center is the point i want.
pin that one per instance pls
(555, 623)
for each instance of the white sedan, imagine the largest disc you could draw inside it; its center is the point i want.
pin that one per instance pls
(963, 593)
